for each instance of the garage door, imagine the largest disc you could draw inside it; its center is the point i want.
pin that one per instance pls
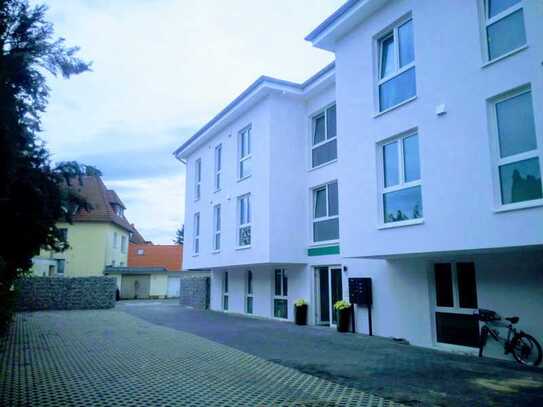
(173, 286)
(135, 287)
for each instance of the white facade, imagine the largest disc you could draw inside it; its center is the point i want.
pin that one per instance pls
(462, 233)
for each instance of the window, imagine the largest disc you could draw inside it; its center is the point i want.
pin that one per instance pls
(115, 240)
(518, 156)
(325, 213)
(244, 228)
(504, 27)
(397, 79)
(324, 135)
(119, 211)
(60, 266)
(280, 297)
(245, 153)
(401, 196)
(63, 233)
(249, 293)
(217, 227)
(196, 234)
(123, 244)
(218, 166)
(140, 252)
(198, 179)
(225, 291)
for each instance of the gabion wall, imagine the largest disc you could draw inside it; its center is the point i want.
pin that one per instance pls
(194, 291)
(65, 293)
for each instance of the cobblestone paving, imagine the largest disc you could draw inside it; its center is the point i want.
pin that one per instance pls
(109, 358)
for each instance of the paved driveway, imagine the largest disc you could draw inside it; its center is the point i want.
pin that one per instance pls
(406, 374)
(110, 358)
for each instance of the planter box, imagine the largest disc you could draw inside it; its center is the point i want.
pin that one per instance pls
(344, 320)
(300, 314)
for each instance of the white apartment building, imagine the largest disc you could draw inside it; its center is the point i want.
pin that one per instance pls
(414, 159)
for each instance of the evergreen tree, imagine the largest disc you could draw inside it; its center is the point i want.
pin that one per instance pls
(180, 235)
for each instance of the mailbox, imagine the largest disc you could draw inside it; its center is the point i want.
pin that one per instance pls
(360, 291)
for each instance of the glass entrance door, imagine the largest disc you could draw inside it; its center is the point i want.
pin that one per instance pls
(329, 290)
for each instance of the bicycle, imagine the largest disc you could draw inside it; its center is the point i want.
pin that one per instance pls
(524, 347)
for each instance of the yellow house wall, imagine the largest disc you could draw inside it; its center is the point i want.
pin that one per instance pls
(159, 285)
(91, 249)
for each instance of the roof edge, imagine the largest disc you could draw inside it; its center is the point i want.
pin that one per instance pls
(331, 19)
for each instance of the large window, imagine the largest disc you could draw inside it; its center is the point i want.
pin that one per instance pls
(115, 240)
(225, 291)
(324, 136)
(123, 244)
(217, 228)
(402, 200)
(325, 213)
(197, 178)
(249, 293)
(196, 234)
(244, 153)
(218, 166)
(504, 27)
(397, 79)
(280, 297)
(518, 156)
(244, 226)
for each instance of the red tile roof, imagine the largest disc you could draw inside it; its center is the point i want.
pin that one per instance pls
(168, 256)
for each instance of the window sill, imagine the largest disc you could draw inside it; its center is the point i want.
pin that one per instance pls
(244, 178)
(323, 243)
(243, 247)
(215, 252)
(502, 57)
(410, 222)
(322, 165)
(519, 205)
(376, 115)
(217, 190)
(196, 255)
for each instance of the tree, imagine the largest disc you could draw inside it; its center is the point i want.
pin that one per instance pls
(33, 193)
(180, 235)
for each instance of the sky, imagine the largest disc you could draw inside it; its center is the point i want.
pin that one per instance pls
(160, 70)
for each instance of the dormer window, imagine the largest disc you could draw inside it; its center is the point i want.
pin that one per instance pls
(118, 209)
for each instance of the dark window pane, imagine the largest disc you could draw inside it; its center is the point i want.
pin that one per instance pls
(401, 205)
(467, 287)
(444, 285)
(225, 302)
(397, 89)
(411, 158)
(277, 282)
(249, 305)
(497, 6)
(331, 122)
(506, 35)
(280, 309)
(249, 282)
(457, 329)
(390, 159)
(407, 48)
(387, 56)
(285, 284)
(332, 199)
(60, 265)
(324, 153)
(337, 290)
(226, 282)
(318, 129)
(516, 128)
(326, 230)
(320, 203)
(324, 295)
(521, 181)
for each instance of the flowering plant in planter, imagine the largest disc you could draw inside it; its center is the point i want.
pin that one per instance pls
(340, 305)
(343, 309)
(300, 311)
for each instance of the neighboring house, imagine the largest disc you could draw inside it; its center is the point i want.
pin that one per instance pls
(153, 271)
(97, 238)
(414, 160)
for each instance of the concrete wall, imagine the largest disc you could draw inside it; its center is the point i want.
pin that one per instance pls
(55, 293)
(193, 291)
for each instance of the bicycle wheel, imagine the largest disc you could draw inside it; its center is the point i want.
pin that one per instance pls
(526, 350)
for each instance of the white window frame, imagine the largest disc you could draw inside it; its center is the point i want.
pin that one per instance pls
(218, 167)
(401, 178)
(487, 22)
(225, 290)
(248, 222)
(393, 32)
(498, 161)
(197, 179)
(251, 293)
(322, 218)
(196, 234)
(140, 252)
(217, 226)
(246, 130)
(282, 296)
(314, 118)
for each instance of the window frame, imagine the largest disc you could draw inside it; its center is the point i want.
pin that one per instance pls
(249, 292)
(124, 244)
(218, 167)
(322, 112)
(241, 159)
(248, 224)
(196, 234)
(282, 296)
(401, 185)
(314, 220)
(392, 31)
(498, 161)
(456, 308)
(217, 228)
(225, 292)
(197, 179)
(488, 21)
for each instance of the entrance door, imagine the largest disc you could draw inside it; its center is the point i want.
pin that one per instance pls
(455, 301)
(329, 290)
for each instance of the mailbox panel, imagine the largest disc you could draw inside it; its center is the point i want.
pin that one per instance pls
(360, 291)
